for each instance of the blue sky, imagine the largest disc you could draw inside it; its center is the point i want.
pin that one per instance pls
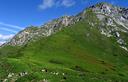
(15, 15)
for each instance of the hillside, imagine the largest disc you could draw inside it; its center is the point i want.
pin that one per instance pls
(89, 47)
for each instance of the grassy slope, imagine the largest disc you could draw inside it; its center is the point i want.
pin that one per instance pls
(80, 52)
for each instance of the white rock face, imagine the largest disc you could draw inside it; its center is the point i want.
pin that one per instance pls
(105, 33)
(100, 17)
(5, 80)
(117, 34)
(112, 15)
(46, 30)
(10, 75)
(124, 48)
(120, 41)
(113, 21)
(116, 20)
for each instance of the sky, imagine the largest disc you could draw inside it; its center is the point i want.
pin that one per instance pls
(16, 15)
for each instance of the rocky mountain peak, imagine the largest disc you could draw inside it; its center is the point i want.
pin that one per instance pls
(33, 32)
(113, 21)
(103, 4)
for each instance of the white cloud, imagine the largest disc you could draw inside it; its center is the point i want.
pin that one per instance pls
(56, 3)
(68, 3)
(8, 29)
(13, 26)
(47, 4)
(2, 42)
(6, 37)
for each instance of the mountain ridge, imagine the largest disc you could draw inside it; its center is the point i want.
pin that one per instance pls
(90, 48)
(106, 13)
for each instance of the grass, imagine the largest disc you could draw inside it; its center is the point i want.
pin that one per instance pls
(78, 51)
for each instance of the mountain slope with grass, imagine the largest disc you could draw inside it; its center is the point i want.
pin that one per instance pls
(88, 47)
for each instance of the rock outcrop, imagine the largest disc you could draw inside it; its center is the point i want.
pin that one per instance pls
(113, 21)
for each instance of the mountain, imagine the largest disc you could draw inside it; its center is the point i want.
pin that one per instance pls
(89, 47)
(115, 18)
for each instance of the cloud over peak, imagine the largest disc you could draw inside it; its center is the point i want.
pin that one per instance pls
(4, 38)
(56, 3)
(46, 4)
(68, 3)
